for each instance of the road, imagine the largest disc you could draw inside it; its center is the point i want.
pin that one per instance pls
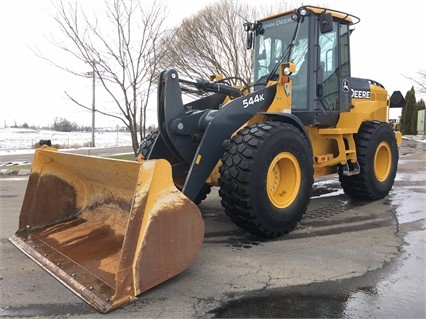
(346, 258)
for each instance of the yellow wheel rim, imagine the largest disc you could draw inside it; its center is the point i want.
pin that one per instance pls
(382, 161)
(283, 180)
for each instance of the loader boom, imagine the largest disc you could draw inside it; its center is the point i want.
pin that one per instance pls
(214, 126)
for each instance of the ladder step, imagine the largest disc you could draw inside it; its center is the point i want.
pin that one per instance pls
(349, 169)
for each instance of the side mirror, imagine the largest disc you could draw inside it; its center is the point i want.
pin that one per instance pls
(251, 28)
(397, 99)
(326, 22)
(249, 40)
(320, 90)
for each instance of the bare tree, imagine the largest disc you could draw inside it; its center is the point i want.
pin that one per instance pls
(419, 80)
(211, 42)
(119, 43)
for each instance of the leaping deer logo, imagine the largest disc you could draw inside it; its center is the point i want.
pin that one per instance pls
(345, 86)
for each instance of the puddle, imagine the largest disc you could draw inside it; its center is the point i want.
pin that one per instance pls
(396, 291)
(296, 305)
(402, 294)
(44, 310)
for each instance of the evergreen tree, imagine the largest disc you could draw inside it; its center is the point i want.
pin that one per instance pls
(421, 105)
(408, 126)
(414, 115)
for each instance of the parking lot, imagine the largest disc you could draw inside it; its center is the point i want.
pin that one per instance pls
(334, 264)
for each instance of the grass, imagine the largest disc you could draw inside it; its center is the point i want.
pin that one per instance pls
(125, 157)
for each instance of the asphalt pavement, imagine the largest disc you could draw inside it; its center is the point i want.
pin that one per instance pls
(346, 258)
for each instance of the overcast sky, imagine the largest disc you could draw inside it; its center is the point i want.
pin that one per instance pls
(387, 45)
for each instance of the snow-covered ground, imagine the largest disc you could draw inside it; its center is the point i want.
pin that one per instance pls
(15, 140)
(418, 138)
(19, 140)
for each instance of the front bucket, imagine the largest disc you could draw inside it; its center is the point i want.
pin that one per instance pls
(107, 229)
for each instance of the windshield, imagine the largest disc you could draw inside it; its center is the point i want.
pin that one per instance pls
(273, 46)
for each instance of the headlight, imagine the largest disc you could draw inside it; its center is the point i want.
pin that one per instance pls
(287, 71)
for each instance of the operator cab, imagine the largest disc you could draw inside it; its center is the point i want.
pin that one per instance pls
(316, 40)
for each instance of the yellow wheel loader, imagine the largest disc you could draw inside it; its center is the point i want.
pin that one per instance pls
(111, 229)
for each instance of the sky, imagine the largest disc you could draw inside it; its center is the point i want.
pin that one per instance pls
(388, 45)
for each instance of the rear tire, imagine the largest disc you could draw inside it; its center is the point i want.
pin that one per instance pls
(377, 154)
(266, 178)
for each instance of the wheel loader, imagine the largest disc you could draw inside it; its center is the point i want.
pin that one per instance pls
(110, 229)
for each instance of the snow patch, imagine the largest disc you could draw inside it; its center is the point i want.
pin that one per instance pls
(21, 141)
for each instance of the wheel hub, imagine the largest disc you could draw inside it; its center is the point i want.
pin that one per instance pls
(382, 161)
(283, 180)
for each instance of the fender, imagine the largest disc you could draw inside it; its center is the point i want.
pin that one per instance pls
(290, 119)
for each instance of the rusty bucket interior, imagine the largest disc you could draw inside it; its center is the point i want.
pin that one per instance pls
(107, 229)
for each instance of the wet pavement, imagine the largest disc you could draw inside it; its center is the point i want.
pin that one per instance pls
(398, 290)
(395, 291)
(346, 259)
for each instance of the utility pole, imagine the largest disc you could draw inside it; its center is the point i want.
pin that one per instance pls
(93, 103)
(93, 74)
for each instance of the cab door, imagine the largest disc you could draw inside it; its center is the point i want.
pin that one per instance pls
(333, 93)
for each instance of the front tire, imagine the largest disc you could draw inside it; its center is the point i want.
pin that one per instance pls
(145, 148)
(146, 144)
(377, 154)
(266, 178)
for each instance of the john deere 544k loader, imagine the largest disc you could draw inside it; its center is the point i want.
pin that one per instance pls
(111, 229)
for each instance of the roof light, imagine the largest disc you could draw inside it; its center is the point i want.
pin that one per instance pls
(303, 11)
